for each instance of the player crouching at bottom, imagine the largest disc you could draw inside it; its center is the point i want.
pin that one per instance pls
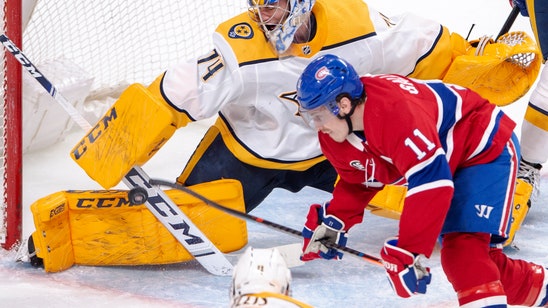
(262, 279)
(459, 157)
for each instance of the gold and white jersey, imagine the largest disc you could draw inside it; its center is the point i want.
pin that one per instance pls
(253, 90)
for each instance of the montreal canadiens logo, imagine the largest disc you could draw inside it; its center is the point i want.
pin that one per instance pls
(357, 164)
(322, 73)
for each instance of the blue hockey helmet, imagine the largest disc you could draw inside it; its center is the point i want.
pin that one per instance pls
(324, 79)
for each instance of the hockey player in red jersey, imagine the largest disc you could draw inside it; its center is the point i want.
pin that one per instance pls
(459, 157)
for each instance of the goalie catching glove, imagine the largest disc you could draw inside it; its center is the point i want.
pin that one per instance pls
(321, 226)
(404, 271)
(501, 71)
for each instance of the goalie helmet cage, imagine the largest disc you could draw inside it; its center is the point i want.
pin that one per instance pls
(113, 43)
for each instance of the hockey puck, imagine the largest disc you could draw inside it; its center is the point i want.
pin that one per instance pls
(137, 195)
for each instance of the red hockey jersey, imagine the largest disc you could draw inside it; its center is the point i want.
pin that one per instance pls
(419, 133)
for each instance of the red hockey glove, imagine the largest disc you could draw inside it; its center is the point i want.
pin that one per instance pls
(405, 274)
(321, 226)
(521, 6)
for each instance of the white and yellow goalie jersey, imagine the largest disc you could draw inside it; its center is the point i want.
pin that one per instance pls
(253, 90)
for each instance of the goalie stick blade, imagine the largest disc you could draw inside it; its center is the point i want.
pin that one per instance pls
(179, 225)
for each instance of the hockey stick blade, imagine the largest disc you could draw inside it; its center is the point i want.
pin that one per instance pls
(291, 254)
(163, 208)
(361, 255)
(180, 226)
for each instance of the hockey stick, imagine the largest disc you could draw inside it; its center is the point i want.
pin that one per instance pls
(509, 22)
(163, 208)
(139, 195)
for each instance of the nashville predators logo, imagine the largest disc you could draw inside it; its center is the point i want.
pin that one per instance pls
(241, 31)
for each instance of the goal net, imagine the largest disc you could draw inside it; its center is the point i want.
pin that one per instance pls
(91, 51)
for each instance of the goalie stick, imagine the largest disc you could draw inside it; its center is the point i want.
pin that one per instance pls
(163, 208)
(138, 194)
(509, 22)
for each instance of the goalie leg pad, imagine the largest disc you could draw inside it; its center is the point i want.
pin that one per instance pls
(52, 242)
(521, 208)
(103, 228)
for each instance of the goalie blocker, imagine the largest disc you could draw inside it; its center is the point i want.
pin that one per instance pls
(129, 134)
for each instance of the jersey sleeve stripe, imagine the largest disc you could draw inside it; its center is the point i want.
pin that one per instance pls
(420, 166)
(487, 138)
(429, 186)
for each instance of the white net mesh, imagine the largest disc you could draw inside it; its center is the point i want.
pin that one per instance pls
(524, 59)
(92, 50)
(124, 41)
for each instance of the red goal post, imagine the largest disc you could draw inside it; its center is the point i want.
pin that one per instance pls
(91, 51)
(11, 141)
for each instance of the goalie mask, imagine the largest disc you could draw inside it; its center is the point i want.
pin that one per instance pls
(280, 24)
(260, 270)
